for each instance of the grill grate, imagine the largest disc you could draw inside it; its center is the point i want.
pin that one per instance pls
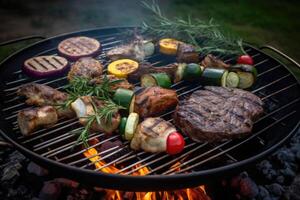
(275, 85)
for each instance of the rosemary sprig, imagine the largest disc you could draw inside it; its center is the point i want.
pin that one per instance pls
(102, 116)
(206, 36)
(81, 86)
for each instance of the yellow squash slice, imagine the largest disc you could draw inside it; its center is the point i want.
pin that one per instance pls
(121, 68)
(168, 46)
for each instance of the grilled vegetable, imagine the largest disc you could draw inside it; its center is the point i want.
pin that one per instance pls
(45, 66)
(149, 48)
(168, 46)
(224, 79)
(232, 80)
(131, 124)
(191, 72)
(246, 79)
(158, 79)
(77, 47)
(213, 76)
(122, 126)
(175, 143)
(123, 97)
(214, 62)
(121, 68)
(245, 59)
(244, 68)
(179, 72)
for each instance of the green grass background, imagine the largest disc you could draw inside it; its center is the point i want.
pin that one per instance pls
(274, 22)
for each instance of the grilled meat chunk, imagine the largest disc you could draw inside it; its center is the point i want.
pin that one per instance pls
(43, 95)
(151, 135)
(147, 68)
(153, 101)
(216, 114)
(134, 50)
(186, 53)
(31, 119)
(86, 67)
(123, 83)
(83, 107)
(212, 61)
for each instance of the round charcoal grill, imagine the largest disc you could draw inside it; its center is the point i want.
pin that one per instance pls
(199, 162)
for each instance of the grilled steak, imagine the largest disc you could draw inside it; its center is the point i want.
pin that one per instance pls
(216, 114)
(86, 67)
(153, 101)
(78, 47)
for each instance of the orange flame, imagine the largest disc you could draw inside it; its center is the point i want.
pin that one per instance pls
(197, 193)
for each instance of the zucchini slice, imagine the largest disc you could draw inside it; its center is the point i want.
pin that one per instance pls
(179, 72)
(122, 127)
(244, 68)
(123, 97)
(246, 79)
(131, 124)
(224, 78)
(232, 80)
(213, 76)
(157, 79)
(131, 107)
(192, 71)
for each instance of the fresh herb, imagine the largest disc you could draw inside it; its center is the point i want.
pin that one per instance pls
(81, 86)
(102, 116)
(206, 36)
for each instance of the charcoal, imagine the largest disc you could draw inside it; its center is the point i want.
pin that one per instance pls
(248, 188)
(11, 171)
(263, 192)
(36, 169)
(110, 144)
(67, 182)
(293, 191)
(275, 189)
(50, 191)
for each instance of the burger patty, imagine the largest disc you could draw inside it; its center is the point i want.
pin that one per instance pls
(216, 114)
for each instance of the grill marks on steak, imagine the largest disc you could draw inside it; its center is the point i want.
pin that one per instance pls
(216, 114)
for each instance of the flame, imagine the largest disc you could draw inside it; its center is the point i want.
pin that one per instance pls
(198, 193)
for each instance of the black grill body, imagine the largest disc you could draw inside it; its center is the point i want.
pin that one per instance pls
(199, 163)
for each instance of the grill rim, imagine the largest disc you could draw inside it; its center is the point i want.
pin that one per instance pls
(117, 181)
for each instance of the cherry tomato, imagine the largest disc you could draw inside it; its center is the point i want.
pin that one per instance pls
(245, 59)
(175, 143)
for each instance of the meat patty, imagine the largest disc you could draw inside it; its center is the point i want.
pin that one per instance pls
(217, 113)
(153, 101)
(86, 67)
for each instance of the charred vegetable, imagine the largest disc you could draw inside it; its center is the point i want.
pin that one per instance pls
(122, 68)
(131, 124)
(192, 72)
(123, 97)
(158, 79)
(168, 46)
(45, 66)
(232, 80)
(214, 76)
(246, 79)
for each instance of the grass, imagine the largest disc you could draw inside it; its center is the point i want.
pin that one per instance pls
(259, 22)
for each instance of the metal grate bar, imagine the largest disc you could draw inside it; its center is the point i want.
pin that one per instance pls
(278, 91)
(271, 83)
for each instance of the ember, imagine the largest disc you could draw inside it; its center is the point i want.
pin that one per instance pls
(197, 193)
